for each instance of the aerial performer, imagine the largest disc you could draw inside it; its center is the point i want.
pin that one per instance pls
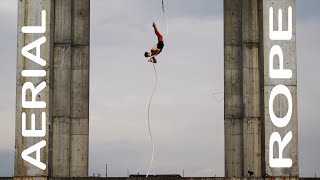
(158, 48)
(152, 54)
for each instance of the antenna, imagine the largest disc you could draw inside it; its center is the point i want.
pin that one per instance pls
(106, 170)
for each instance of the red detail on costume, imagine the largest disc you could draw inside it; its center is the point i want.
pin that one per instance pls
(160, 37)
(154, 60)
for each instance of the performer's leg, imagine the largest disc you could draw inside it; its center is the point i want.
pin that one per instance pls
(159, 35)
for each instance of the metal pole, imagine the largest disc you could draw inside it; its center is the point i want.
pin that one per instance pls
(106, 170)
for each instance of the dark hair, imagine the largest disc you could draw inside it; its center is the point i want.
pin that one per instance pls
(146, 54)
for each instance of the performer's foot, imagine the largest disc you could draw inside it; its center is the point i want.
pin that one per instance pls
(154, 60)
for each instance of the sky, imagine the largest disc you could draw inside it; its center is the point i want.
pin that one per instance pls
(186, 123)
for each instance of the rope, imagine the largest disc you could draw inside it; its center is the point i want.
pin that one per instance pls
(155, 88)
(165, 19)
(163, 7)
(214, 97)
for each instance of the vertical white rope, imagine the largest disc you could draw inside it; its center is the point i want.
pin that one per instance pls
(150, 133)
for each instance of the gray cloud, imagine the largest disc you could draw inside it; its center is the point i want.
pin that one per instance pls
(308, 9)
(308, 91)
(182, 111)
(7, 78)
(6, 163)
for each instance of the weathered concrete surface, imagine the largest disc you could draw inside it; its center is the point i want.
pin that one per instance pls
(71, 90)
(79, 135)
(251, 88)
(62, 89)
(233, 106)
(242, 89)
(29, 14)
(187, 178)
(162, 178)
(280, 103)
(233, 146)
(30, 178)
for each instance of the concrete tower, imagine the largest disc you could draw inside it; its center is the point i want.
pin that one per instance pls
(66, 53)
(70, 133)
(248, 85)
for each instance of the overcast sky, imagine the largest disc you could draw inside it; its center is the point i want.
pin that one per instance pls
(187, 125)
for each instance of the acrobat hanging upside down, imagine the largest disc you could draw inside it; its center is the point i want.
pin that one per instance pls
(157, 49)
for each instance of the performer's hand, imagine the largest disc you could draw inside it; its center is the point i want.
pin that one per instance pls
(153, 24)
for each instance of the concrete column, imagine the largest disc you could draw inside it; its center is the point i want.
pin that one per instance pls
(233, 106)
(79, 132)
(71, 89)
(62, 89)
(248, 86)
(251, 88)
(29, 14)
(280, 104)
(66, 52)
